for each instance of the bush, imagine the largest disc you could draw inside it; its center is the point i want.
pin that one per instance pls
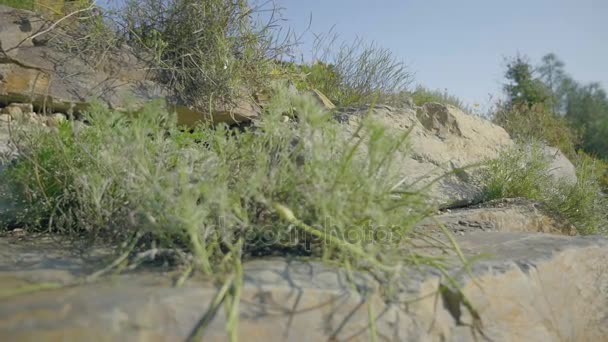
(353, 74)
(524, 172)
(221, 194)
(537, 123)
(424, 95)
(518, 172)
(206, 52)
(583, 204)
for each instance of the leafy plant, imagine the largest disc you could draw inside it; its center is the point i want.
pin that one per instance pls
(221, 194)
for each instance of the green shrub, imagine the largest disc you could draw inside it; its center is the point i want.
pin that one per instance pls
(353, 74)
(424, 95)
(537, 123)
(518, 172)
(524, 172)
(583, 204)
(206, 52)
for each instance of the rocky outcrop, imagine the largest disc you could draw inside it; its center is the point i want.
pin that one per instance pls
(446, 146)
(506, 215)
(529, 287)
(34, 70)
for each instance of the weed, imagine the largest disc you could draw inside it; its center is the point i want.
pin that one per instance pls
(523, 171)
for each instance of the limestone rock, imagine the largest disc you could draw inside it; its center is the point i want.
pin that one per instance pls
(242, 110)
(51, 79)
(446, 145)
(443, 140)
(561, 167)
(14, 112)
(507, 215)
(25, 107)
(529, 287)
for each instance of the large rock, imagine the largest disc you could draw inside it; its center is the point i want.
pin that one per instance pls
(560, 167)
(529, 287)
(446, 148)
(40, 72)
(443, 140)
(505, 215)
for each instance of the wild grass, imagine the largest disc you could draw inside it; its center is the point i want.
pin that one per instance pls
(537, 123)
(424, 95)
(354, 73)
(206, 52)
(523, 171)
(217, 195)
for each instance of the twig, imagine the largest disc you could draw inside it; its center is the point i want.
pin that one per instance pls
(52, 27)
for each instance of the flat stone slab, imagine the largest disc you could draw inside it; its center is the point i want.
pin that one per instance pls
(529, 287)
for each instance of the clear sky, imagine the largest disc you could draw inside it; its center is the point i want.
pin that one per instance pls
(461, 44)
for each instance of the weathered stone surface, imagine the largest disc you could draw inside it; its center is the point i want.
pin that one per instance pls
(34, 71)
(243, 110)
(561, 167)
(445, 146)
(509, 215)
(539, 287)
(443, 140)
(532, 287)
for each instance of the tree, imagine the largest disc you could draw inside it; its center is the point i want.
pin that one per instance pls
(523, 88)
(552, 73)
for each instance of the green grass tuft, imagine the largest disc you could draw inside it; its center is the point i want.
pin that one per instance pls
(523, 171)
(424, 95)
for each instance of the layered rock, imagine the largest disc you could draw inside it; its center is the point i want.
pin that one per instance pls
(530, 287)
(446, 146)
(35, 69)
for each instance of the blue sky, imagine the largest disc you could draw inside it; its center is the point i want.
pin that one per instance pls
(461, 44)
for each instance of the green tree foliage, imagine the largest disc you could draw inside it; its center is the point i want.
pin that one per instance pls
(523, 87)
(528, 113)
(546, 104)
(587, 109)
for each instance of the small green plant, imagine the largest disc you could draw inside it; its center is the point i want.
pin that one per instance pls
(216, 195)
(583, 204)
(518, 172)
(523, 171)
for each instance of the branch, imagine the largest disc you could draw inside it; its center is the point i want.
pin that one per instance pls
(52, 27)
